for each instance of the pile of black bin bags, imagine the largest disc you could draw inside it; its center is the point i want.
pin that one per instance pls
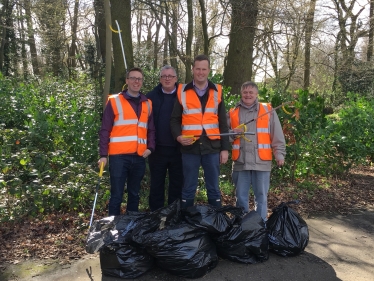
(188, 242)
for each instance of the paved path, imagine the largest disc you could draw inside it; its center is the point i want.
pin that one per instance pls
(340, 248)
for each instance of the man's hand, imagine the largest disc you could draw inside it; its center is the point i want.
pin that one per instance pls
(102, 160)
(185, 140)
(223, 156)
(280, 163)
(146, 153)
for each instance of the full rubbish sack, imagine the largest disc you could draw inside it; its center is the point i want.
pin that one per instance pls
(212, 219)
(125, 261)
(288, 232)
(156, 220)
(183, 250)
(119, 255)
(246, 242)
(112, 230)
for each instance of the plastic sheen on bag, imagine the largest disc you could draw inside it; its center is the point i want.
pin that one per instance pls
(183, 250)
(212, 219)
(119, 256)
(112, 230)
(125, 261)
(156, 220)
(246, 242)
(288, 232)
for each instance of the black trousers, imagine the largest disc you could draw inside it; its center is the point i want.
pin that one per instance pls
(165, 160)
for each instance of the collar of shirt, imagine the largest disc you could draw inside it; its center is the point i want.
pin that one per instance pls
(200, 92)
(168, 93)
(251, 107)
(127, 93)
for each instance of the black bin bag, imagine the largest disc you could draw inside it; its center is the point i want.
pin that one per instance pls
(125, 261)
(288, 232)
(246, 242)
(112, 230)
(214, 220)
(119, 255)
(183, 250)
(158, 219)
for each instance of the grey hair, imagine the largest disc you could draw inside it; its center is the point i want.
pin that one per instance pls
(165, 67)
(249, 84)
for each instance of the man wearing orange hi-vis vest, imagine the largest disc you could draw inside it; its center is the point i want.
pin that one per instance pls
(197, 120)
(252, 154)
(127, 138)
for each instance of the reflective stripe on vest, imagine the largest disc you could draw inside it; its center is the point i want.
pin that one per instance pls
(193, 119)
(234, 122)
(129, 134)
(263, 132)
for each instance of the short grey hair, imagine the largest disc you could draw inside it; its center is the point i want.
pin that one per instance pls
(249, 84)
(165, 67)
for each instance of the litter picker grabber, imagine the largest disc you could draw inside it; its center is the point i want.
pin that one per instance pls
(274, 109)
(239, 134)
(97, 190)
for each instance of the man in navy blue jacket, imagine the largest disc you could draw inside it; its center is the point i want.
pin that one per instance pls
(167, 156)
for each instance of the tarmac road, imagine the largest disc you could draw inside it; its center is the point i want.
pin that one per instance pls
(340, 248)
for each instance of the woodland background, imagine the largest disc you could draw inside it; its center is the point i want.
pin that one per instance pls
(60, 59)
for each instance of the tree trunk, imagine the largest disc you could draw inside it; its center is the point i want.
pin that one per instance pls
(188, 60)
(156, 47)
(204, 27)
(72, 60)
(371, 32)
(174, 36)
(23, 43)
(239, 58)
(121, 11)
(308, 38)
(166, 40)
(101, 28)
(108, 54)
(32, 45)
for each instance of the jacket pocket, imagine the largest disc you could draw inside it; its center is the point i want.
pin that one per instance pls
(259, 161)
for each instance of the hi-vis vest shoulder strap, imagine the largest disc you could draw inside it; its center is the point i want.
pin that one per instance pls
(193, 118)
(234, 123)
(129, 134)
(262, 131)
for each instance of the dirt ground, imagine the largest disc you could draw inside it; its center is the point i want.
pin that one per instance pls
(341, 245)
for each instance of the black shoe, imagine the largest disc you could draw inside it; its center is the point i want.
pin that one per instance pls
(215, 202)
(185, 203)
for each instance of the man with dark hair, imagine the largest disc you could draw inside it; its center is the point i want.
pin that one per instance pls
(127, 136)
(198, 117)
(167, 157)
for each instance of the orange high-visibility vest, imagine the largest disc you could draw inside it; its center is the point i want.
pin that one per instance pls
(262, 130)
(129, 134)
(193, 118)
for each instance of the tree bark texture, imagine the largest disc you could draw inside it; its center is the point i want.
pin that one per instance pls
(239, 58)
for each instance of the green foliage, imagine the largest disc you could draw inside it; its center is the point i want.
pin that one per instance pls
(48, 145)
(353, 130)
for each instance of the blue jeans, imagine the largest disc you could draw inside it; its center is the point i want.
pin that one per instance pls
(260, 182)
(165, 159)
(122, 168)
(191, 166)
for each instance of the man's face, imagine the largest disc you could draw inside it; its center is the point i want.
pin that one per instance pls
(200, 71)
(168, 79)
(134, 82)
(249, 95)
